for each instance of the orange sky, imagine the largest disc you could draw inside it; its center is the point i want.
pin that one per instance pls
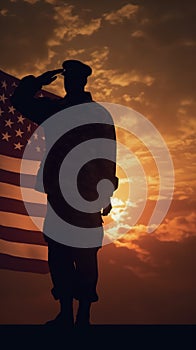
(141, 53)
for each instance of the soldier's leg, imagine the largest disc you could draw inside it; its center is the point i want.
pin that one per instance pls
(61, 264)
(86, 282)
(62, 269)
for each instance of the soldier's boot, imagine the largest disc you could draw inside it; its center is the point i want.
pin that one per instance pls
(65, 317)
(83, 314)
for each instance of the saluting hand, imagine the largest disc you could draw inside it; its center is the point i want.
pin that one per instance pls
(48, 77)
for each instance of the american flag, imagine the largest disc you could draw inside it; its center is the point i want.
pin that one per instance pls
(22, 246)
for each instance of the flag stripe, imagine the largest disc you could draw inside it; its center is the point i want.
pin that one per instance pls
(22, 194)
(32, 209)
(17, 179)
(21, 221)
(24, 236)
(17, 165)
(23, 250)
(8, 262)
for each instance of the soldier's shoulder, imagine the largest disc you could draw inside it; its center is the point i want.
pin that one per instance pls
(104, 113)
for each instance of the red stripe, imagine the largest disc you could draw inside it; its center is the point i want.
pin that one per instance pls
(9, 262)
(18, 207)
(22, 236)
(17, 179)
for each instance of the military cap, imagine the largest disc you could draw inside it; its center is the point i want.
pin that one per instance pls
(76, 67)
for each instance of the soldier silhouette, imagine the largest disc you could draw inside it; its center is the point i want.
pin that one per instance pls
(74, 270)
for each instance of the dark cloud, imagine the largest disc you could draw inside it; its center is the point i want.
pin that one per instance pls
(25, 31)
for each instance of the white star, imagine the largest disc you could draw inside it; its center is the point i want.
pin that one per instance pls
(4, 84)
(11, 110)
(29, 142)
(41, 95)
(14, 84)
(38, 149)
(1, 112)
(6, 136)
(43, 138)
(19, 133)
(3, 98)
(18, 146)
(29, 128)
(9, 123)
(21, 119)
(35, 135)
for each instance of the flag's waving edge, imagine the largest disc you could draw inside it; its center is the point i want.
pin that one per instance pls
(22, 246)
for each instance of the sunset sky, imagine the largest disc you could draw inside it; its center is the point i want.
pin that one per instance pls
(142, 54)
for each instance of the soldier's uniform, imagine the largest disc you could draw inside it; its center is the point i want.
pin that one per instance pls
(73, 270)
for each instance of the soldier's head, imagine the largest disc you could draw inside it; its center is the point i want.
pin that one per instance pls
(75, 75)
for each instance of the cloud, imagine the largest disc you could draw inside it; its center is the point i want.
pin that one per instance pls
(177, 228)
(52, 2)
(186, 102)
(32, 2)
(98, 58)
(136, 99)
(125, 79)
(27, 45)
(4, 12)
(69, 25)
(124, 13)
(40, 34)
(189, 43)
(106, 82)
(74, 53)
(117, 80)
(174, 229)
(138, 34)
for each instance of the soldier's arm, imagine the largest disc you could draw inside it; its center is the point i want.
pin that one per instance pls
(109, 168)
(24, 100)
